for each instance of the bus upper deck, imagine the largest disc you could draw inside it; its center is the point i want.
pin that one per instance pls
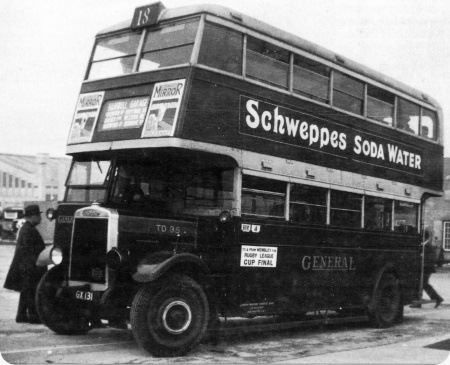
(269, 93)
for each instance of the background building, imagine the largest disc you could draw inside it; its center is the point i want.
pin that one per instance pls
(31, 178)
(36, 179)
(437, 213)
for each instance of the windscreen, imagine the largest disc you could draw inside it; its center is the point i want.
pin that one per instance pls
(87, 181)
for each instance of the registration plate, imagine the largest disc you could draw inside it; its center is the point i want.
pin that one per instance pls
(84, 295)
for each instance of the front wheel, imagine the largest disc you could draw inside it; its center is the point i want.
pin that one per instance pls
(52, 313)
(170, 316)
(387, 307)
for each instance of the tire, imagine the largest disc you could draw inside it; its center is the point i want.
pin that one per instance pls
(387, 307)
(52, 314)
(170, 316)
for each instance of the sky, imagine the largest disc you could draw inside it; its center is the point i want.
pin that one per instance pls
(46, 44)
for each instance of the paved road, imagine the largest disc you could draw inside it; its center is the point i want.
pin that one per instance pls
(424, 337)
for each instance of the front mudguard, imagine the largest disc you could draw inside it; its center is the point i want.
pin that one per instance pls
(150, 268)
(44, 258)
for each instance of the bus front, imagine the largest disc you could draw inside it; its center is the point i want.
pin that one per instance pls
(137, 194)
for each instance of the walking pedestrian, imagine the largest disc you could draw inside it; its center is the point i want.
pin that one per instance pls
(23, 275)
(429, 268)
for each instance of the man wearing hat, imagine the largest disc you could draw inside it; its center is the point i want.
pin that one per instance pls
(23, 275)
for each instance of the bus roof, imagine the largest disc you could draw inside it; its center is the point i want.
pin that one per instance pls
(285, 37)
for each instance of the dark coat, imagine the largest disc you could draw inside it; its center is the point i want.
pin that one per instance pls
(23, 272)
(429, 265)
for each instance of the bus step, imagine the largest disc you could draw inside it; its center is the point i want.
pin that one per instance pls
(226, 329)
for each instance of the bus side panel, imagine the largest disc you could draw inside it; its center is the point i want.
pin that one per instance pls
(214, 114)
(316, 268)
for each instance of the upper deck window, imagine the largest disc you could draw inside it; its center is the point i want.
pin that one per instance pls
(114, 55)
(311, 79)
(168, 46)
(380, 104)
(408, 116)
(428, 124)
(267, 62)
(348, 93)
(222, 49)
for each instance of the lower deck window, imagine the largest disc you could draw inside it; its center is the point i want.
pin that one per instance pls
(313, 205)
(308, 204)
(263, 197)
(345, 209)
(405, 214)
(378, 213)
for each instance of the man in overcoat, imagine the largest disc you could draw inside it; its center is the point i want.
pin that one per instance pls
(23, 275)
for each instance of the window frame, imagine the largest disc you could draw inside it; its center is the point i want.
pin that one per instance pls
(445, 225)
(295, 52)
(362, 224)
(136, 55)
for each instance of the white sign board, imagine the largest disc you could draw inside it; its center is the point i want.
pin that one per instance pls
(259, 256)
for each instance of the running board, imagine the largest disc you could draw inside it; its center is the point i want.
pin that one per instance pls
(236, 327)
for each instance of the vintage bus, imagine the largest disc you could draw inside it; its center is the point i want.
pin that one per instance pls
(225, 168)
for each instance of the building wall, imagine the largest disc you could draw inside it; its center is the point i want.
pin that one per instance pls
(437, 211)
(31, 178)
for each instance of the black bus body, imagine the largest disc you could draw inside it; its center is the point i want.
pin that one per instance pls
(240, 198)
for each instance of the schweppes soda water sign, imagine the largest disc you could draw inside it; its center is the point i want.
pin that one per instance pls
(276, 123)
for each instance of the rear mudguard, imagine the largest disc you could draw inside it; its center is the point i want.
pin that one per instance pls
(149, 270)
(388, 268)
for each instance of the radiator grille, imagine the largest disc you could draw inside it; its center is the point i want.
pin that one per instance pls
(89, 246)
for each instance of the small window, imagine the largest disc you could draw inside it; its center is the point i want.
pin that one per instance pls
(378, 213)
(222, 49)
(263, 197)
(308, 204)
(168, 46)
(380, 104)
(408, 116)
(446, 236)
(405, 215)
(114, 56)
(311, 79)
(345, 209)
(267, 62)
(348, 93)
(428, 125)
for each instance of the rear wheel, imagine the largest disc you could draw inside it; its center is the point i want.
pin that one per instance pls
(387, 306)
(55, 316)
(170, 316)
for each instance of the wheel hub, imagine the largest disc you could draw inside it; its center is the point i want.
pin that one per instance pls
(177, 317)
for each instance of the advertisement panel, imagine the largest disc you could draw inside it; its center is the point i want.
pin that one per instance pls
(301, 130)
(123, 114)
(85, 117)
(164, 108)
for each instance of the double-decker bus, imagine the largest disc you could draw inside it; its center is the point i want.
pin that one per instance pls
(225, 168)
